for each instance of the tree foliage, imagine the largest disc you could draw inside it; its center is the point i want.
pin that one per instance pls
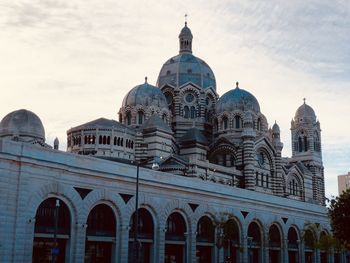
(339, 212)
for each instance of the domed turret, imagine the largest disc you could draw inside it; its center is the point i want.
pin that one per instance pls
(276, 129)
(186, 67)
(185, 39)
(56, 143)
(237, 99)
(24, 125)
(142, 102)
(146, 95)
(305, 113)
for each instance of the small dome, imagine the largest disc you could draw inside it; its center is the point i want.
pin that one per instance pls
(185, 31)
(146, 95)
(185, 68)
(22, 123)
(237, 99)
(304, 111)
(275, 128)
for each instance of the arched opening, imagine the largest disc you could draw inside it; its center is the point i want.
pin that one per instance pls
(186, 112)
(224, 123)
(140, 117)
(52, 231)
(258, 125)
(254, 243)
(300, 144)
(205, 240)
(274, 244)
(145, 237)
(324, 247)
(193, 112)
(309, 242)
(293, 245)
(175, 239)
(317, 142)
(238, 122)
(100, 235)
(128, 118)
(231, 241)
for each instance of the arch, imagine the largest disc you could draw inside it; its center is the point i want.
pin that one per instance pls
(309, 238)
(175, 237)
(52, 229)
(275, 243)
(100, 234)
(255, 239)
(140, 117)
(237, 121)
(258, 124)
(193, 112)
(145, 235)
(205, 239)
(293, 238)
(295, 185)
(186, 112)
(224, 123)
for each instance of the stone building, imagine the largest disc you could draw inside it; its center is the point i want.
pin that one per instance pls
(222, 190)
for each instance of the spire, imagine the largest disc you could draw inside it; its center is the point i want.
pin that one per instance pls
(146, 79)
(185, 38)
(237, 85)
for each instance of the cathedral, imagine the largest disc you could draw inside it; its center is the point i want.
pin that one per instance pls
(184, 175)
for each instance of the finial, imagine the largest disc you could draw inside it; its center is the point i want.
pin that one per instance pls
(185, 19)
(146, 79)
(275, 122)
(237, 84)
(304, 99)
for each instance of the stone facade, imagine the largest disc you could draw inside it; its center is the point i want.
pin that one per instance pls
(223, 191)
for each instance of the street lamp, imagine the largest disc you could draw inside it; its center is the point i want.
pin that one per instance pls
(55, 249)
(155, 166)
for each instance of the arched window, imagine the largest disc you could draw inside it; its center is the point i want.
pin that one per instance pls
(118, 141)
(193, 112)
(128, 118)
(305, 144)
(115, 141)
(224, 123)
(121, 142)
(186, 112)
(317, 143)
(104, 140)
(100, 139)
(140, 117)
(164, 118)
(238, 121)
(93, 139)
(108, 140)
(258, 124)
(300, 144)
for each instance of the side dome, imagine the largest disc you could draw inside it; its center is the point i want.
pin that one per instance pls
(22, 123)
(305, 111)
(237, 99)
(146, 95)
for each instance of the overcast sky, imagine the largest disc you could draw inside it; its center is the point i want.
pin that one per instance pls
(73, 61)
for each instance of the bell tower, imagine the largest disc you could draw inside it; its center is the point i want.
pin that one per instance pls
(306, 147)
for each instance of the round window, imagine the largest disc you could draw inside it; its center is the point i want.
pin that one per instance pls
(189, 98)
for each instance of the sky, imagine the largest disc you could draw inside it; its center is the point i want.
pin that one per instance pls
(73, 61)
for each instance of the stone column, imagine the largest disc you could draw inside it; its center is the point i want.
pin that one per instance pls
(80, 238)
(124, 243)
(160, 244)
(284, 251)
(301, 252)
(265, 248)
(245, 256)
(193, 246)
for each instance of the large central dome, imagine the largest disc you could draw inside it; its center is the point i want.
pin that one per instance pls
(186, 67)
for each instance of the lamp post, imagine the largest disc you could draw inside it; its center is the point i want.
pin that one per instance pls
(55, 250)
(155, 166)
